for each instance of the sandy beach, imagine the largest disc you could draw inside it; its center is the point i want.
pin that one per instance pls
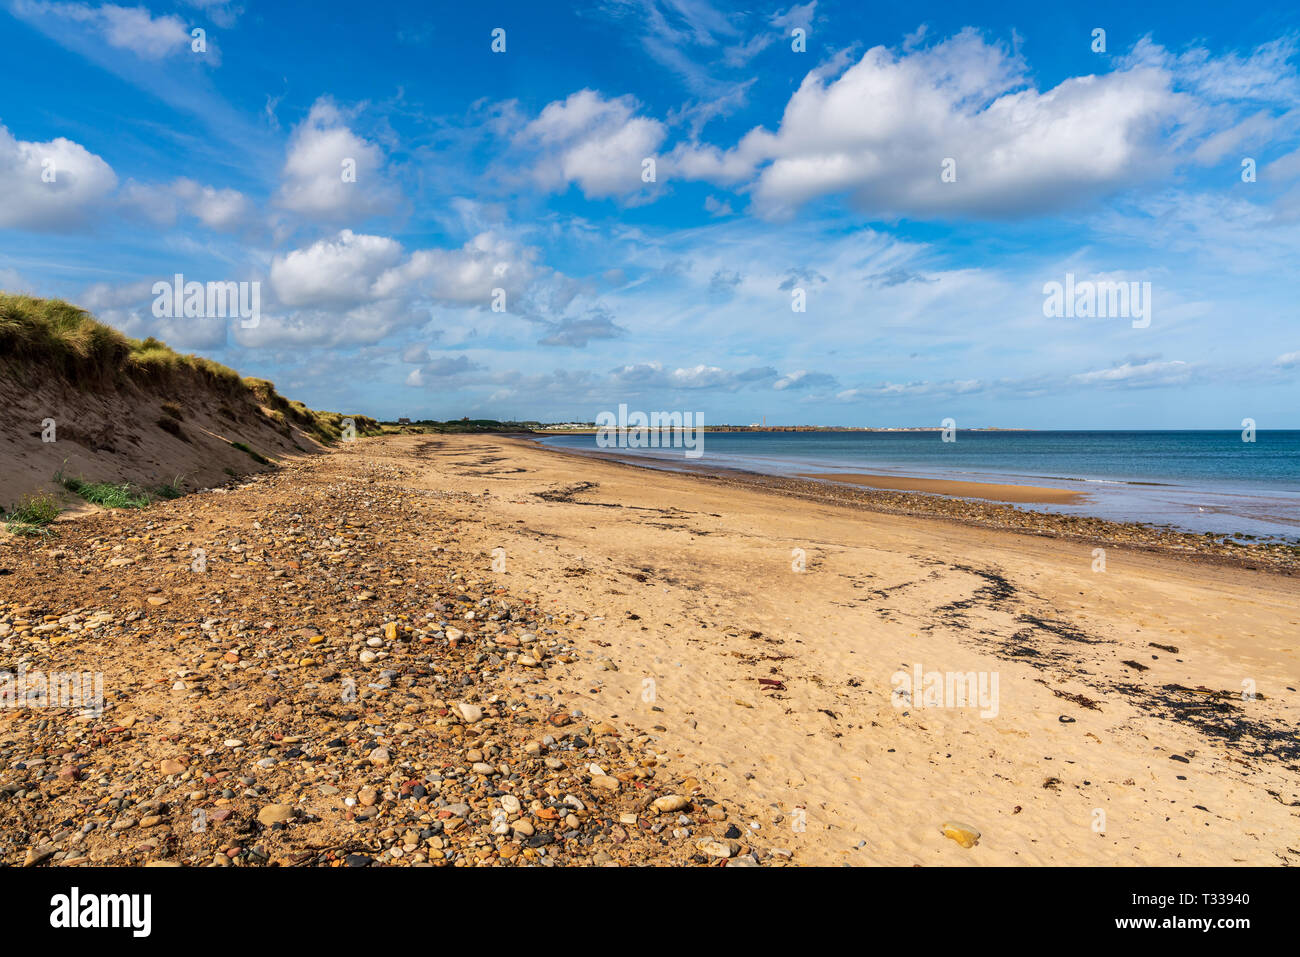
(785, 664)
(1102, 716)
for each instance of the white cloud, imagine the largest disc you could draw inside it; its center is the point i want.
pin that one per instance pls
(578, 331)
(1150, 373)
(464, 276)
(803, 379)
(1265, 74)
(12, 281)
(219, 209)
(126, 28)
(222, 12)
(355, 287)
(50, 185)
(334, 272)
(597, 143)
(703, 45)
(322, 149)
(223, 210)
(881, 129)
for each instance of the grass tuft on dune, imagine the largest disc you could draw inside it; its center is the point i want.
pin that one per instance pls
(59, 335)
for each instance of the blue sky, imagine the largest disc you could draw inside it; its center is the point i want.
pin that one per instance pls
(777, 173)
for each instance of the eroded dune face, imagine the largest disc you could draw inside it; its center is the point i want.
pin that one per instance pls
(82, 402)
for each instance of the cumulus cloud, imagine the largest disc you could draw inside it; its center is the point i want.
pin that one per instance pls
(468, 275)
(50, 186)
(334, 272)
(879, 131)
(597, 143)
(360, 287)
(1133, 373)
(654, 375)
(951, 387)
(331, 173)
(223, 210)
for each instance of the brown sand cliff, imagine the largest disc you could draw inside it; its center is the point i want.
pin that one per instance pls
(86, 402)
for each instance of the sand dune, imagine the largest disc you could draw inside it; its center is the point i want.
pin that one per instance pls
(85, 402)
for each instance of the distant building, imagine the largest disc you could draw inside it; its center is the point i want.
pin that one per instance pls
(403, 421)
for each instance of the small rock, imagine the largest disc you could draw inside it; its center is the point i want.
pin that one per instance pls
(470, 712)
(275, 814)
(963, 834)
(669, 803)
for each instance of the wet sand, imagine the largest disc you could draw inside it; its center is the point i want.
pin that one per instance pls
(1019, 494)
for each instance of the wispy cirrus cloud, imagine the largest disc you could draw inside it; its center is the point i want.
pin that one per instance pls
(133, 29)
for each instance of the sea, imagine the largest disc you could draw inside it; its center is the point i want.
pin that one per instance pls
(1196, 481)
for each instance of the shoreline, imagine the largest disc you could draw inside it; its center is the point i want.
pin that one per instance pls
(953, 488)
(1280, 558)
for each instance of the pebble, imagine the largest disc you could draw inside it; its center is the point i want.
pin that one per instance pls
(472, 713)
(670, 802)
(301, 755)
(963, 834)
(275, 814)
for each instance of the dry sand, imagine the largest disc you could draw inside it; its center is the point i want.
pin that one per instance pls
(1021, 494)
(1094, 756)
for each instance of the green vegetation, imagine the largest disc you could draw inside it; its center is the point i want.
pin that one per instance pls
(462, 426)
(32, 516)
(125, 495)
(325, 427)
(258, 458)
(59, 334)
(170, 490)
(107, 494)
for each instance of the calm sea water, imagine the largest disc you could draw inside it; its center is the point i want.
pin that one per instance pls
(1197, 481)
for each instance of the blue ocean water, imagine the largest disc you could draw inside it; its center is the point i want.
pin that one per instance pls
(1200, 481)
